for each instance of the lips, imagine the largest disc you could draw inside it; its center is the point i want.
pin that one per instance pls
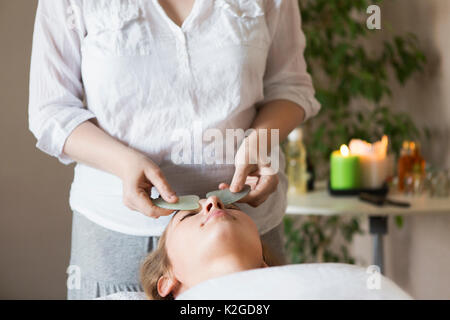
(214, 214)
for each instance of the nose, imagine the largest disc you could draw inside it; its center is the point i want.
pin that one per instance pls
(212, 203)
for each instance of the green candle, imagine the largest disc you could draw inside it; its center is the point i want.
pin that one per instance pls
(344, 170)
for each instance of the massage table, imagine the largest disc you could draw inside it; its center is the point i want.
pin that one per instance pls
(315, 281)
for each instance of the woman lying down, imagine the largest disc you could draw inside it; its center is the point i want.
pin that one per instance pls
(217, 250)
(198, 245)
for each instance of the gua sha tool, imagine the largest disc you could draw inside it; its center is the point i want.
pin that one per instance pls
(228, 197)
(189, 202)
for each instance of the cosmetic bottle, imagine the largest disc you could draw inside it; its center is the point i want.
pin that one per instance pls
(296, 163)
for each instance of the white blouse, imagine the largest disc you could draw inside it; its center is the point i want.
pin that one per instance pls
(126, 63)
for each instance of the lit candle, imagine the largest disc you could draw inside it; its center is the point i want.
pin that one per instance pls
(344, 170)
(373, 162)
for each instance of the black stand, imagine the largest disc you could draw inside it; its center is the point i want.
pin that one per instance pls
(378, 227)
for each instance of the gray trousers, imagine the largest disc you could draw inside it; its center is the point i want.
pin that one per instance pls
(108, 262)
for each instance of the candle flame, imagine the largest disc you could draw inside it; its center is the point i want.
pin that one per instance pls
(344, 150)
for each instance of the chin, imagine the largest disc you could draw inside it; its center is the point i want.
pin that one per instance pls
(223, 233)
(222, 227)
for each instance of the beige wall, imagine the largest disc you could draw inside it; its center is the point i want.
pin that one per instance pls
(34, 210)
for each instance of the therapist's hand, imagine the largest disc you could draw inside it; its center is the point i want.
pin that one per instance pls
(281, 115)
(90, 144)
(138, 175)
(262, 180)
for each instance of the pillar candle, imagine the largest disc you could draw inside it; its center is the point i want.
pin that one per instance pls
(344, 170)
(374, 171)
(374, 163)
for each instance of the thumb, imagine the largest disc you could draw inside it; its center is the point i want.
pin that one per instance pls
(239, 177)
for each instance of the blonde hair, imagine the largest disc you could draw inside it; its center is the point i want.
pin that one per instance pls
(157, 264)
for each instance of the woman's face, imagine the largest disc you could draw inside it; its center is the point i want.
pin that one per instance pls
(202, 243)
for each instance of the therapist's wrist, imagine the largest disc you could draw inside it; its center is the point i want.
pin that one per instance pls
(127, 160)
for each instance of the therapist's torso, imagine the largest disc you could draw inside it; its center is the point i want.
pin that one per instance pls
(145, 77)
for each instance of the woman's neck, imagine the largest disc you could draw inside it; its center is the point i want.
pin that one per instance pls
(231, 264)
(227, 264)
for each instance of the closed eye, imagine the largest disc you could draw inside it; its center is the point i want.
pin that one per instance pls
(188, 215)
(232, 206)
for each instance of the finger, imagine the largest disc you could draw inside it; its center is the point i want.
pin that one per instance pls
(224, 185)
(239, 177)
(144, 205)
(158, 212)
(263, 171)
(264, 188)
(158, 179)
(267, 185)
(259, 201)
(252, 181)
(137, 199)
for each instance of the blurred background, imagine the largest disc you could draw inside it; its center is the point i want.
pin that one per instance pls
(412, 77)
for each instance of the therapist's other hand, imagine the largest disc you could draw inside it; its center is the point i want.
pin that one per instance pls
(139, 175)
(262, 180)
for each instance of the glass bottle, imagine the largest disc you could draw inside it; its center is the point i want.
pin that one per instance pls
(296, 163)
(404, 165)
(417, 167)
(418, 162)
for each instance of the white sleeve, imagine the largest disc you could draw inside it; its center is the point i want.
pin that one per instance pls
(56, 90)
(286, 76)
